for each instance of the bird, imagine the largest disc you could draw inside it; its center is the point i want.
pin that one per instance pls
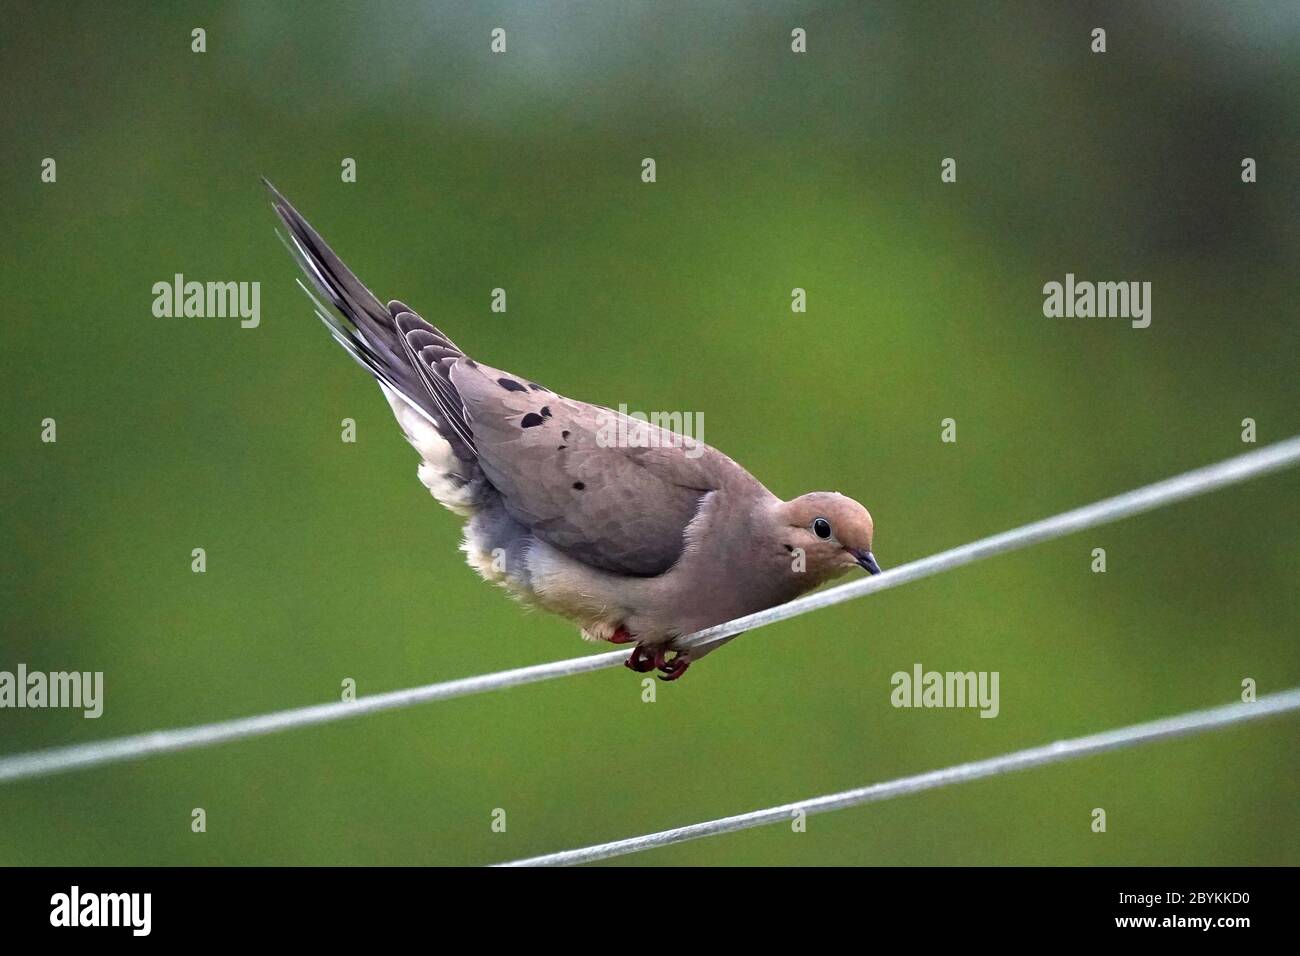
(640, 540)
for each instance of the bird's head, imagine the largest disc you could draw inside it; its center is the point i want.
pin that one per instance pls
(834, 531)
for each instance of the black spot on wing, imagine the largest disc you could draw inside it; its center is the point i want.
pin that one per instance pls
(531, 420)
(510, 385)
(578, 486)
(546, 411)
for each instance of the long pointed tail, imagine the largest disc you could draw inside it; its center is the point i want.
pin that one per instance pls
(406, 354)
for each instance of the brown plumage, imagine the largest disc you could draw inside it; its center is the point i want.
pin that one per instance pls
(645, 538)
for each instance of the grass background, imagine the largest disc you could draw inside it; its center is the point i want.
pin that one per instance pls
(328, 560)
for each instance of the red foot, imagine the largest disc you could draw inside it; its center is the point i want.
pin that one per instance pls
(644, 659)
(674, 667)
(621, 636)
(641, 660)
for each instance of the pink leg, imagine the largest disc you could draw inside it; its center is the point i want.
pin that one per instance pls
(621, 636)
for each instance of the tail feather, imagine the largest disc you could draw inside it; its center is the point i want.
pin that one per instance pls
(407, 355)
(416, 335)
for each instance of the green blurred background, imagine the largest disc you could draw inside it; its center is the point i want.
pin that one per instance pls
(329, 560)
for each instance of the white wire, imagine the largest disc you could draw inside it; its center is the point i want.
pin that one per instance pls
(1136, 734)
(1200, 481)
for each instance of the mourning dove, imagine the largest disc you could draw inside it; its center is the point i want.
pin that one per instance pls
(634, 531)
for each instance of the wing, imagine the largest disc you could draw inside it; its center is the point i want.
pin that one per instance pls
(564, 472)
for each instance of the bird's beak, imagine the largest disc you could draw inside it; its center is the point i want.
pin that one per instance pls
(867, 561)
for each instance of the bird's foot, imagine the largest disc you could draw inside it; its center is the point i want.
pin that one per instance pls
(621, 636)
(641, 660)
(673, 667)
(608, 632)
(644, 659)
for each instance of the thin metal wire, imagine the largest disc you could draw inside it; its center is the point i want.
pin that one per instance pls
(1252, 464)
(1182, 725)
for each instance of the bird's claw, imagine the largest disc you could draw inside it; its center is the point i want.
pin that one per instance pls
(644, 659)
(641, 660)
(671, 667)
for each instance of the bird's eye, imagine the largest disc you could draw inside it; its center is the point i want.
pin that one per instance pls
(822, 528)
